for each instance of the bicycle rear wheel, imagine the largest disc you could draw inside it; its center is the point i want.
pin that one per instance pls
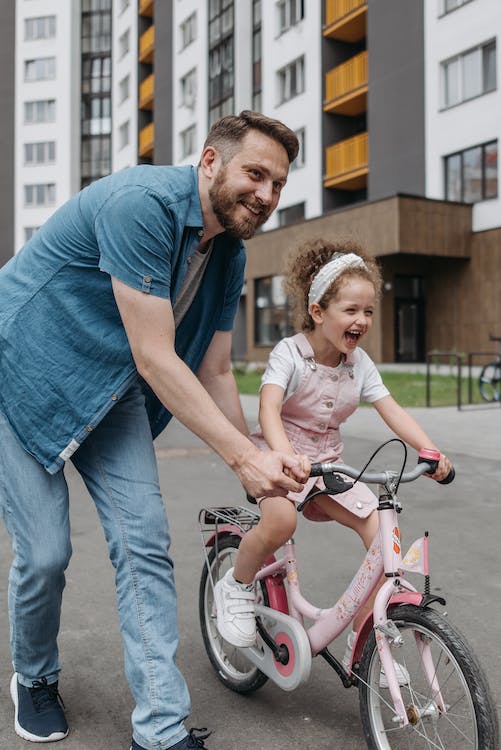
(470, 720)
(232, 667)
(489, 382)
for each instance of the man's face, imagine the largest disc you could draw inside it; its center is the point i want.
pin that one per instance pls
(246, 190)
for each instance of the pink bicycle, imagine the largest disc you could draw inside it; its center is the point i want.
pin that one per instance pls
(445, 703)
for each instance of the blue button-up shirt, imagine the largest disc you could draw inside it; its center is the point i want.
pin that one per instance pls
(64, 355)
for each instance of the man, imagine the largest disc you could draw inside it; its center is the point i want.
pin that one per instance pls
(115, 315)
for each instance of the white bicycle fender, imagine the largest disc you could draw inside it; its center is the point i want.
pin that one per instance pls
(284, 630)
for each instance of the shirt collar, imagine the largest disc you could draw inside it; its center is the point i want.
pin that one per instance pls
(194, 216)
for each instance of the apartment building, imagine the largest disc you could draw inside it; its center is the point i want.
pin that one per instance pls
(396, 104)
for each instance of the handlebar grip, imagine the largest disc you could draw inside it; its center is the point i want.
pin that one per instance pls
(449, 478)
(316, 470)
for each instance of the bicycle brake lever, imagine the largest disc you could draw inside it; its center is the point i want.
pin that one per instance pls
(336, 484)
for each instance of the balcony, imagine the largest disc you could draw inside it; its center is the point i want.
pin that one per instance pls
(146, 92)
(345, 19)
(347, 163)
(147, 141)
(147, 45)
(346, 87)
(146, 8)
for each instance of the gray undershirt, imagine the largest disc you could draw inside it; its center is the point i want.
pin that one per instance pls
(191, 282)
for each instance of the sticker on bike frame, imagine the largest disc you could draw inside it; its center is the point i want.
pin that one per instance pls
(396, 540)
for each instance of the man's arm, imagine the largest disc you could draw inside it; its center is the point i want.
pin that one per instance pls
(149, 324)
(217, 378)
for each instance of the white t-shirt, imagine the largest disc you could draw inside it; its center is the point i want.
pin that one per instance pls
(286, 367)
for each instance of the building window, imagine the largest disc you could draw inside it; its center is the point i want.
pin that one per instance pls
(95, 158)
(291, 80)
(448, 5)
(123, 135)
(221, 59)
(96, 75)
(96, 31)
(43, 27)
(124, 43)
(29, 232)
(188, 30)
(188, 141)
(39, 153)
(43, 110)
(472, 175)
(124, 89)
(256, 55)
(272, 317)
(291, 214)
(41, 69)
(299, 161)
(39, 195)
(469, 74)
(290, 12)
(189, 89)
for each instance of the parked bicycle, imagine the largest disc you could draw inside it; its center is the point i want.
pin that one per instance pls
(489, 382)
(445, 702)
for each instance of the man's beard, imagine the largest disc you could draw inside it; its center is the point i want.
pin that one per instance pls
(224, 205)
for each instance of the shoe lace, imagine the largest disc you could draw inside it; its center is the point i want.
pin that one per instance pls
(44, 695)
(194, 741)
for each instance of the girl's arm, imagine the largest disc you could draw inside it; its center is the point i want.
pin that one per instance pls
(407, 429)
(271, 398)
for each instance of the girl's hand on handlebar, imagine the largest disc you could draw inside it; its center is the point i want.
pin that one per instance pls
(443, 470)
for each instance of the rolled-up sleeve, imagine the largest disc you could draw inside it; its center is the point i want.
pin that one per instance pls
(135, 236)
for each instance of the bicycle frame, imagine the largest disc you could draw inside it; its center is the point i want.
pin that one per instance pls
(383, 556)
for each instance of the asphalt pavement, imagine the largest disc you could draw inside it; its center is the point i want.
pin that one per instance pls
(463, 520)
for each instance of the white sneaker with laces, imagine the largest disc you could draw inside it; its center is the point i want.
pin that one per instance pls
(402, 673)
(235, 610)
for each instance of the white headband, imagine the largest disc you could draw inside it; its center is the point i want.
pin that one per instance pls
(328, 273)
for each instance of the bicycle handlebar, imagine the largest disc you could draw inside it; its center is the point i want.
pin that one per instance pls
(427, 464)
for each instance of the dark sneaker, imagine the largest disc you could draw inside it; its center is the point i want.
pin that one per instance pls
(190, 742)
(39, 715)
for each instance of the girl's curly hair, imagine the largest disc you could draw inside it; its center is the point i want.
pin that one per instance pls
(304, 263)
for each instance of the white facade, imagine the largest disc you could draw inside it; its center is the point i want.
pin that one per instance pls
(125, 84)
(47, 115)
(301, 112)
(471, 122)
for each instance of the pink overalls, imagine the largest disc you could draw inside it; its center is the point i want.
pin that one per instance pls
(325, 397)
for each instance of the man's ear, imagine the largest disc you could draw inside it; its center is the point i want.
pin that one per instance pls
(209, 161)
(316, 312)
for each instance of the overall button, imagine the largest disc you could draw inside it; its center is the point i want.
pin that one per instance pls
(200, 232)
(329, 404)
(314, 439)
(89, 428)
(359, 505)
(114, 397)
(321, 426)
(147, 279)
(334, 377)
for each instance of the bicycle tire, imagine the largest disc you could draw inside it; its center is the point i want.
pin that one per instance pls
(470, 721)
(489, 382)
(231, 666)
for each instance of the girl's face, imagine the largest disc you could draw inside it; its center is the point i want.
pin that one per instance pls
(348, 316)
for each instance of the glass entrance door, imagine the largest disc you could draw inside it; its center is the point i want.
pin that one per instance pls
(409, 319)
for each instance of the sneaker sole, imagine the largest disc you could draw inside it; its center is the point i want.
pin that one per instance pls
(54, 737)
(221, 625)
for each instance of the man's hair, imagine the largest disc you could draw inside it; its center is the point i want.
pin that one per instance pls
(227, 133)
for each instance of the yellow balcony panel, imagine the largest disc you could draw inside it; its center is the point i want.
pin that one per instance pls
(146, 8)
(345, 19)
(147, 140)
(147, 92)
(147, 45)
(347, 163)
(346, 87)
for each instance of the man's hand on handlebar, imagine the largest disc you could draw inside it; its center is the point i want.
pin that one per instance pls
(272, 473)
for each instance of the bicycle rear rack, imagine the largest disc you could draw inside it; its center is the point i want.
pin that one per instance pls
(243, 518)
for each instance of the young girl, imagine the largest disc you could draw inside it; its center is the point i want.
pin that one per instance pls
(313, 382)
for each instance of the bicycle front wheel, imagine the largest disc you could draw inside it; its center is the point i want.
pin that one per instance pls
(469, 721)
(489, 382)
(232, 667)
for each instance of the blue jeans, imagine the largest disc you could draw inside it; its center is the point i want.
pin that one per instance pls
(118, 465)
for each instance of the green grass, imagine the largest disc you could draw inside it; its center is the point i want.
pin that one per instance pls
(409, 389)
